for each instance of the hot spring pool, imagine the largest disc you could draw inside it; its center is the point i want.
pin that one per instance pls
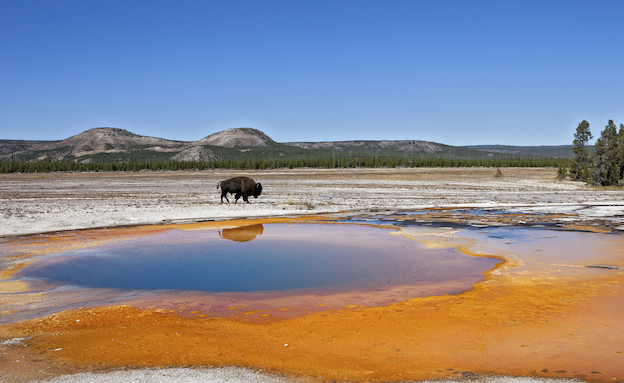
(270, 257)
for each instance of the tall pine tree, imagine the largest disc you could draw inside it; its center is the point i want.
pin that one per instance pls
(607, 169)
(579, 168)
(621, 150)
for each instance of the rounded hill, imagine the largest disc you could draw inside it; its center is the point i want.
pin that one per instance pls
(102, 139)
(238, 138)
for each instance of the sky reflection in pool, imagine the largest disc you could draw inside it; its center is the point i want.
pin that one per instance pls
(270, 257)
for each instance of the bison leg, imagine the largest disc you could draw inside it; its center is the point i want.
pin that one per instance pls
(224, 194)
(245, 198)
(238, 195)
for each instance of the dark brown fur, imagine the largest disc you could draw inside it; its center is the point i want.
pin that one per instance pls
(241, 187)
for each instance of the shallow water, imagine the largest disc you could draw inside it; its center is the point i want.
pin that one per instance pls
(274, 257)
(276, 269)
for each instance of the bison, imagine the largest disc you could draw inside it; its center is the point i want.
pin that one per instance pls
(241, 186)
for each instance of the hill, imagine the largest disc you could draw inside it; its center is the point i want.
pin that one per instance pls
(104, 145)
(238, 138)
(84, 146)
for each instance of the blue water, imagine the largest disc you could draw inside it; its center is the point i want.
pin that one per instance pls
(271, 257)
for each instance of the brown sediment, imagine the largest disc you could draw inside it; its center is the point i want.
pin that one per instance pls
(496, 217)
(9, 296)
(551, 323)
(598, 227)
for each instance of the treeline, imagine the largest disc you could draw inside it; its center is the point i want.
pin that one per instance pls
(604, 166)
(260, 164)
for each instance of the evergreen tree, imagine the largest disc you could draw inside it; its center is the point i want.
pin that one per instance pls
(606, 171)
(579, 168)
(562, 173)
(620, 139)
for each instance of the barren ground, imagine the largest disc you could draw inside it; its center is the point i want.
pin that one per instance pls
(559, 315)
(36, 203)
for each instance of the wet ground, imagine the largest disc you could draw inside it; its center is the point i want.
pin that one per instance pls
(545, 298)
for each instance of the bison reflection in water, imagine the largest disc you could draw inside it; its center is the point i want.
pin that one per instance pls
(240, 186)
(242, 234)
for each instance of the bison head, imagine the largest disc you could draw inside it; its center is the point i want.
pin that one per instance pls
(257, 190)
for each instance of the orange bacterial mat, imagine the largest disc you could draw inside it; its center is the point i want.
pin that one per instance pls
(540, 303)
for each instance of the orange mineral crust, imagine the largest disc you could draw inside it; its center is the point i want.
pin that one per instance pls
(511, 328)
(525, 318)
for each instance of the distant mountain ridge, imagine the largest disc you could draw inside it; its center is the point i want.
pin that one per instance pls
(113, 145)
(551, 151)
(408, 146)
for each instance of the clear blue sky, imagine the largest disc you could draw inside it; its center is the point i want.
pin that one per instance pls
(457, 72)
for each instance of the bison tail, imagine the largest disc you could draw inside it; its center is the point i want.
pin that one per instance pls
(219, 184)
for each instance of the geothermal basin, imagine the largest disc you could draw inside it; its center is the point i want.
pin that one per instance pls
(322, 298)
